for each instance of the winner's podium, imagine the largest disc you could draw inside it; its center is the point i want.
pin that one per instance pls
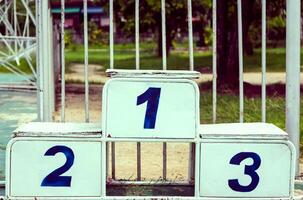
(231, 161)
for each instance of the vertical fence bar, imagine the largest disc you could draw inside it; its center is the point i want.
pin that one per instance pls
(164, 160)
(62, 61)
(38, 61)
(15, 23)
(164, 57)
(48, 73)
(111, 65)
(51, 70)
(6, 15)
(111, 34)
(293, 74)
(27, 24)
(107, 158)
(240, 39)
(263, 60)
(113, 156)
(113, 160)
(43, 52)
(214, 11)
(138, 161)
(191, 162)
(191, 67)
(164, 67)
(86, 62)
(137, 21)
(137, 18)
(197, 170)
(190, 35)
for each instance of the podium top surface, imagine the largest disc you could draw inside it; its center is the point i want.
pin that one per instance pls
(261, 131)
(50, 129)
(168, 74)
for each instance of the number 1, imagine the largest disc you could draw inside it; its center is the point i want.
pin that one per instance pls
(152, 97)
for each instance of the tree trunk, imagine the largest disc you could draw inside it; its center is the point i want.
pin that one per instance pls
(222, 38)
(169, 39)
(201, 41)
(248, 17)
(232, 64)
(227, 42)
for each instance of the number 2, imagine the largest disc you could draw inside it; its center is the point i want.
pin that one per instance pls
(249, 170)
(54, 179)
(152, 97)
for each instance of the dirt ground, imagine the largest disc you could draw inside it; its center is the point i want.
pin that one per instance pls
(151, 153)
(126, 153)
(96, 75)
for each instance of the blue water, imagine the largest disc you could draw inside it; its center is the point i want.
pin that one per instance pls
(16, 108)
(12, 78)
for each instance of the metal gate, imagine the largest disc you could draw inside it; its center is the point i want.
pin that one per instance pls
(46, 80)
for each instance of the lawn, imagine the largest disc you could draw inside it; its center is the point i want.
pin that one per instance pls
(125, 58)
(178, 59)
(23, 66)
(228, 109)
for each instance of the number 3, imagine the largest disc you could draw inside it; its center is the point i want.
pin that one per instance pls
(55, 179)
(249, 170)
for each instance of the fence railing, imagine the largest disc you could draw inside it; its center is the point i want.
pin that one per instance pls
(45, 79)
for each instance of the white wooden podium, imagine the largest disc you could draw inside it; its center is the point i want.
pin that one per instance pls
(68, 160)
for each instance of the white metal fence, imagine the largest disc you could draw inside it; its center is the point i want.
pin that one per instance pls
(16, 41)
(46, 79)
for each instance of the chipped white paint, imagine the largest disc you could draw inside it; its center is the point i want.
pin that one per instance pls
(171, 74)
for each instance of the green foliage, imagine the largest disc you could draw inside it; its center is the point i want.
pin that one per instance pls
(96, 35)
(208, 36)
(68, 38)
(176, 18)
(277, 22)
(150, 17)
(276, 27)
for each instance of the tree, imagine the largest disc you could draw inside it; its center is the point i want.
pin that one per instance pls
(150, 18)
(203, 11)
(227, 40)
(227, 26)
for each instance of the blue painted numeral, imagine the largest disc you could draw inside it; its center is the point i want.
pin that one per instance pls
(55, 179)
(152, 97)
(249, 170)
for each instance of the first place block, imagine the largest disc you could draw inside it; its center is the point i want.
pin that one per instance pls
(150, 108)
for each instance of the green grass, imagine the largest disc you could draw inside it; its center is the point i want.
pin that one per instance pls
(228, 109)
(23, 66)
(125, 58)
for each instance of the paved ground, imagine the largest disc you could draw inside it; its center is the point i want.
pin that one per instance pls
(256, 78)
(97, 76)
